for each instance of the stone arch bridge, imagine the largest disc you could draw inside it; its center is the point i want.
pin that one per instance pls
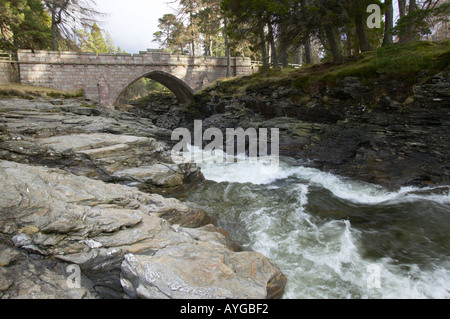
(104, 77)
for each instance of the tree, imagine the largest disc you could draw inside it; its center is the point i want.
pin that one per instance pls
(210, 26)
(171, 35)
(67, 16)
(389, 23)
(359, 8)
(273, 30)
(98, 43)
(188, 14)
(24, 24)
(11, 15)
(94, 41)
(330, 11)
(421, 18)
(248, 18)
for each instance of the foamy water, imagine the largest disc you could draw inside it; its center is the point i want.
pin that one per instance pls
(334, 237)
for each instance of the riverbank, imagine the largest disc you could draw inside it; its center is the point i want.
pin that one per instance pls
(73, 176)
(383, 119)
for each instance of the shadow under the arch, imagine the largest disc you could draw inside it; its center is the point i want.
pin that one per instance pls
(183, 92)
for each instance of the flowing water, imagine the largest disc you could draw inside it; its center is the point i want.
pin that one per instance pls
(333, 237)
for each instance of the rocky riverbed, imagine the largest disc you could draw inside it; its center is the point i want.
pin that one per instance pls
(88, 186)
(391, 133)
(72, 177)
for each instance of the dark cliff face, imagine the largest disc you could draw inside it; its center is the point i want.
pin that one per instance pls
(389, 132)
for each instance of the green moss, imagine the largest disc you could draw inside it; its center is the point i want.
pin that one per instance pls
(192, 112)
(151, 96)
(11, 93)
(403, 62)
(406, 63)
(58, 95)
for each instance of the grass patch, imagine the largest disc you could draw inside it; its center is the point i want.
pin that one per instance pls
(401, 62)
(31, 92)
(58, 95)
(410, 63)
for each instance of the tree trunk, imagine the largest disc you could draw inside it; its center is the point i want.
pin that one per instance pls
(300, 55)
(284, 55)
(227, 49)
(349, 34)
(411, 27)
(191, 22)
(402, 12)
(412, 6)
(262, 39)
(272, 46)
(308, 55)
(364, 44)
(389, 23)
(54, 32)
(210, 46)
(334, 47)
(402, 8)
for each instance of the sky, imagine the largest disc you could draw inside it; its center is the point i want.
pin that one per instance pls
(131, 23)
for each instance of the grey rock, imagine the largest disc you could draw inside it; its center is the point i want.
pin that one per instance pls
(41, 279)
(73, 219)
(198, 271)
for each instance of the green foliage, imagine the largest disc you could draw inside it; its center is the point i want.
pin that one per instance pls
(197, 23)
(419, 23)
(57, 95)
(24, 24)
(402, 62)
(94, 41)
(140, 89)
(171, 35)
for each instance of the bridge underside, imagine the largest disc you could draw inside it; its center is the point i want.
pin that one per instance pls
(181, 90)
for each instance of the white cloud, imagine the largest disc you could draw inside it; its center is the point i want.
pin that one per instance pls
(131, 23)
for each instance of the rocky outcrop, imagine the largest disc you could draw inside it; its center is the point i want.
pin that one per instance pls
(70, 175)
(94, 142)
(201, 271)
(22, 277)
(119, 238)
(390, 133)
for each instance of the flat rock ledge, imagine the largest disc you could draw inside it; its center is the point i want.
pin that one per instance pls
(51, 219)
(98, 143)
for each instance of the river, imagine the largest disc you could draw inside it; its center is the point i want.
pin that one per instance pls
(333, 237)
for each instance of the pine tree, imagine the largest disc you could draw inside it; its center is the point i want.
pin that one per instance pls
(66, 18)
(171, 35)
(94, 41)
(98, 42)
(24, 24)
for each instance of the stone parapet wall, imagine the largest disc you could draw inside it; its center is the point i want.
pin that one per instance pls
(9, 69)
(158, 58)
(104, 76)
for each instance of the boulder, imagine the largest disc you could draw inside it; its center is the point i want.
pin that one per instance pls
(200, 271)
(112, 146)
(70, 219)
(38, 278)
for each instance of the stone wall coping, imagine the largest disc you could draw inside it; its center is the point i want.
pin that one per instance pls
(148, 53)
(104, 76)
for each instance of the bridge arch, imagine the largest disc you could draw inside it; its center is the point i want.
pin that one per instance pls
(183, 92)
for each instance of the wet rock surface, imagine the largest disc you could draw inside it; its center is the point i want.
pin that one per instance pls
(98, 143)
(70, 177)
(390, 133)
(55, 215)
